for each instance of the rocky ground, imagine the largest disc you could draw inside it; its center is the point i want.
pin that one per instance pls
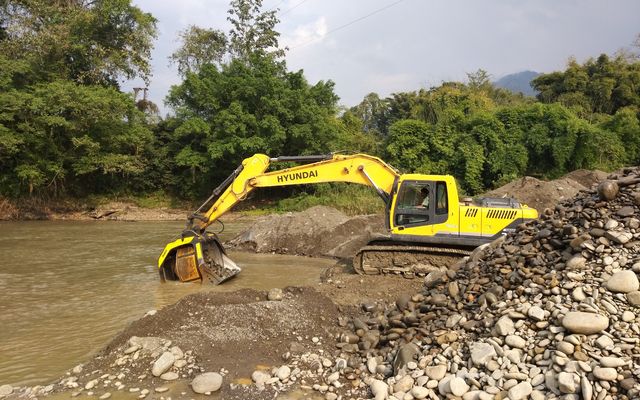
(550, 312)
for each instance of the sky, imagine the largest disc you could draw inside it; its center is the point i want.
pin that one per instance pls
(388, 46)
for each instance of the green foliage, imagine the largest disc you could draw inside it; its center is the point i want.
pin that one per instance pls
(94, 42)
(602, 85)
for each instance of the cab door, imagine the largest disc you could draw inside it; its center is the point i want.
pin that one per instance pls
(419, 205)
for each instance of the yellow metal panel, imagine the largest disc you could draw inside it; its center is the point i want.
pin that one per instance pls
(172, 246)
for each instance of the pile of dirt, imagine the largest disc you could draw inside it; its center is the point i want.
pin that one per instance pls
(586, 177)
(541, 194)
(317, 231)
(537, 193)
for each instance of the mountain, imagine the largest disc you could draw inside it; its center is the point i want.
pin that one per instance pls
(518, 82)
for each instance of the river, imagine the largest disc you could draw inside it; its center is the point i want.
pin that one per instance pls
(66, 288)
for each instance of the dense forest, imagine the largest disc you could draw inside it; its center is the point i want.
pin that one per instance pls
(68, 130)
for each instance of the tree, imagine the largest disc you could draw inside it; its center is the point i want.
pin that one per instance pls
(89, 42)
(253, 31)
(199, 47)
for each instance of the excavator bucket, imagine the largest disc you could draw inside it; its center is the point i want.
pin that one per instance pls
(194, 258)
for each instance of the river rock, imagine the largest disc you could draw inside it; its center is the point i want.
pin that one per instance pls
(515, 341)
(260, 377)
(275, 294)
(585, 323)
(634, 298)
(605, 374)
(419, 392)
(403, 384)
(6, 390)
(623, 282)
(567, 382)
(577, 263)
(608, 190)
(505, 326)
(105, 396)
(481, 353)
(586, 388)
(536, 313)
(207, 382)
(283, 372)
(520, 391)
(163, 363)
(458, 387)
(379, 389)
(169, 376)
(612, 362)
(436, 372)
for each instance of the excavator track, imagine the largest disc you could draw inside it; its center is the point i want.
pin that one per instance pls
(407, 260)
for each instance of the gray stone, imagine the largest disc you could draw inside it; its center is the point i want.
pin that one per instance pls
(618, 237)
(623, 282)
(283, 372)
(436, 372)
(481, 353)
(207, 382)
(604, 342)
(584, 323)
(419, 392)
(403, 384)
(105, 396)
(612, 362)
(371, 365)
(275, 294)
(608, 190)
(163, 363)
(169, 376)
(605, 374)
(515, 341)
(536, 313)
(586, 388)
(633, 298)
(625, 211)
(577, 262)
(260, 377)
(6, 390)
(566, 347)
(520, 391)
(628, 316)
(458, 387)
(379, 389)
(566, 383)
(161, 389)
(505, 326)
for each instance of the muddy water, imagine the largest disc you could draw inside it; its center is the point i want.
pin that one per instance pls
(66, 288)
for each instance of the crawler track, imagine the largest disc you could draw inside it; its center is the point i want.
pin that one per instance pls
(407, 260)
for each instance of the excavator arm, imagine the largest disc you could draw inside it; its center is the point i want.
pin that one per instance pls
(199, 254)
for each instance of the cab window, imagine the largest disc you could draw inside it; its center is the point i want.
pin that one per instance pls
(412, 205)
(442, 202)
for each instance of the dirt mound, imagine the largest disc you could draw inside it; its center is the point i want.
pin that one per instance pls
(586, 177)
(539, 194)
(318, 231)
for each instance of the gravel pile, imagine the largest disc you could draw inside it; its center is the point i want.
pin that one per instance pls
(548, 313)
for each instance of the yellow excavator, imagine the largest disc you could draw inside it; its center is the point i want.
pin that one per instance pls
(428, 226)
